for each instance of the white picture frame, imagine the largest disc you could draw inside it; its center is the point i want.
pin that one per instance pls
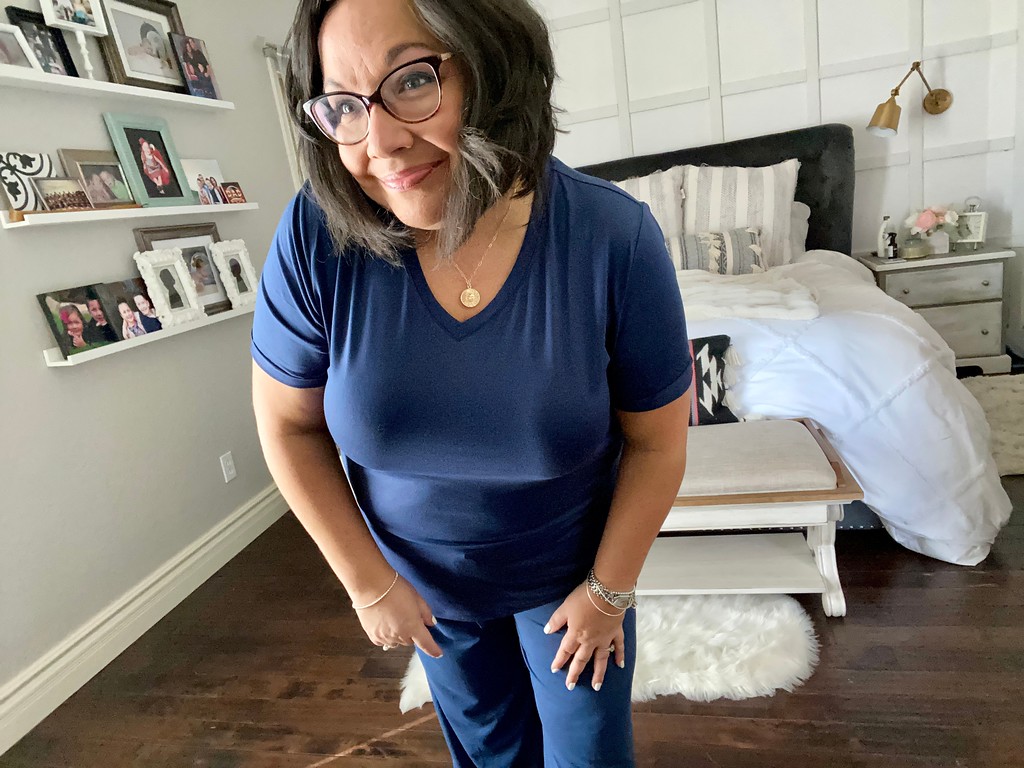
(30, 60)
(236, 278)
(55, 13)
(169, 284)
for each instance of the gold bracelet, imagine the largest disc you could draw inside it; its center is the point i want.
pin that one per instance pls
(370, 605)
(599, 607)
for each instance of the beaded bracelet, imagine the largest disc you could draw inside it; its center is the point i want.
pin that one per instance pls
(370, 605)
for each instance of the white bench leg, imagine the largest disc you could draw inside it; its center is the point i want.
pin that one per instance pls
(822, 540)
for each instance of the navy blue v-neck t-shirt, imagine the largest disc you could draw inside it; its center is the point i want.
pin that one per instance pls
(483, 454)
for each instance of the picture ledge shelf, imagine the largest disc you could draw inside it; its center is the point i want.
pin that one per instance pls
(42, 219)
(54, 358)
(22, 77)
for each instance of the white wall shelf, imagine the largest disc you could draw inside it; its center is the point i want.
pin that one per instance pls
(40, 219)
(21, 77)
(54, 358)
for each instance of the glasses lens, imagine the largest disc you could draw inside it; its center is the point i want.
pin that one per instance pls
(343, 118)
(412, 93)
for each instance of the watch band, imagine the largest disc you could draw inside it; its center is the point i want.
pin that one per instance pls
(621, 600)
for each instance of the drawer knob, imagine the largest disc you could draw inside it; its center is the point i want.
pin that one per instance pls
(986, 283)
(984, 331)
(906, 291)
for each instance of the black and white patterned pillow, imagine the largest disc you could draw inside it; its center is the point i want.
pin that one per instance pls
(708, 403)
(736, 252)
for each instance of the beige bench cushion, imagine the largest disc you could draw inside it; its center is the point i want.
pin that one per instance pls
(754, 457)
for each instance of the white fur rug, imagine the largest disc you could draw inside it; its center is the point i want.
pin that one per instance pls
(1002, 399)
(704, 647)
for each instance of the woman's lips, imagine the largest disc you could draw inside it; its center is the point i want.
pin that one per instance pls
(409, 178)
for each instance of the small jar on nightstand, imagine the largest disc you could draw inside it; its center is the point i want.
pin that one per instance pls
(960, 295)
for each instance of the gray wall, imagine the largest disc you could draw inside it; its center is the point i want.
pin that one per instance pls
(111, 468)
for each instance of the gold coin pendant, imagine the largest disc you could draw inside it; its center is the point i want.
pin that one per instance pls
(470, 297)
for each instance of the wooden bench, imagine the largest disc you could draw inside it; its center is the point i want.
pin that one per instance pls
(755, 475)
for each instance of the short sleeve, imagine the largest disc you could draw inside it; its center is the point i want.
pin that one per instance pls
(650, 362)
(289, 338)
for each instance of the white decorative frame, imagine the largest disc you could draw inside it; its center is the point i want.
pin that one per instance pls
(222, 253)
(974, 224)
(150, 264)
(50, 15)
(19, 38)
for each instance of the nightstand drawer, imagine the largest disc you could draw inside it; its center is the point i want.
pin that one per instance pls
(949, 285)
(971, 330)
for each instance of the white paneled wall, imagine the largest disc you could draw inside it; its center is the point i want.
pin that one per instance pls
(643, 76)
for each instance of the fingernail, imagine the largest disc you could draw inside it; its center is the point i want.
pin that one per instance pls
(570, 686)
(554, 669)
(622, 664)
(597, 686)
(434, 620)
(547, 629)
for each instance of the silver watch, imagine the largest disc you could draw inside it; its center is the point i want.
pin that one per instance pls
(620, 600)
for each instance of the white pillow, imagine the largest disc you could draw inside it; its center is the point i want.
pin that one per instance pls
(720, 198)
(663, 192)
(799, 224)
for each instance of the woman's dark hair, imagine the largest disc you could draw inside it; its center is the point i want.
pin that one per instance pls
(508, 125)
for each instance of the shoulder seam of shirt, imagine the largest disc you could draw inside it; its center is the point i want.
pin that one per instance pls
(582, 178)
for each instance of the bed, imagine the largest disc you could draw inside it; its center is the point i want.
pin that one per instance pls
(878, 379)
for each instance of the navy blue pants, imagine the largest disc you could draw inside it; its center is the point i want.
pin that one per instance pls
(500, 706)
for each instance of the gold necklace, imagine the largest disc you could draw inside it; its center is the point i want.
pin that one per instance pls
(471, 296)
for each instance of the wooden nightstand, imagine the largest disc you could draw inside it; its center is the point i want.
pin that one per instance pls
(961, 297)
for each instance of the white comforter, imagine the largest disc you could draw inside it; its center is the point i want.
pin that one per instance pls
(882, 384)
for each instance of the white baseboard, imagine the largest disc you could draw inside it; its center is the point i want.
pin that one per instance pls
(32, 695)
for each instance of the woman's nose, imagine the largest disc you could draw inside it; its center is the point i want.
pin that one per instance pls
(387, 135)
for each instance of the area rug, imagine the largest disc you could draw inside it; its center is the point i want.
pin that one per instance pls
(703, 647)
(1002, 399)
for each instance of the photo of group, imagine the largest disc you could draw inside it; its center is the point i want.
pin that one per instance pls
(203, 178)
(46, 43)
(195, 66)
(133, 307)
(79, 318)
(62, 194)
(100, 174)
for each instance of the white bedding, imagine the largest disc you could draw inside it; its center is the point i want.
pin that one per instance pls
(882, 384)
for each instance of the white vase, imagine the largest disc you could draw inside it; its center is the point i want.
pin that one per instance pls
(939, 242)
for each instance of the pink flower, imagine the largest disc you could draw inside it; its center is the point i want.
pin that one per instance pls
(926, 220)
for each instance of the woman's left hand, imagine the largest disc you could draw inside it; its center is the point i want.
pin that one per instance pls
(589, 634)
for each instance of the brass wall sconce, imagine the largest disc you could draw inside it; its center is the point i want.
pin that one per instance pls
(886, 119)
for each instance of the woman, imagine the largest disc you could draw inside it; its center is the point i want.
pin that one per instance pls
(147, 314)
(510, 402)
(131, 325)
(154, 165)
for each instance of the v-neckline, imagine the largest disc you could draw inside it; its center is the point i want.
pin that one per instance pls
(460, 329)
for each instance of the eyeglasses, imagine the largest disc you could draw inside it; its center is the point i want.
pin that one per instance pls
(411, 93)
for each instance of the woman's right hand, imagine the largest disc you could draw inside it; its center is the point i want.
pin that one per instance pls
(401, 618)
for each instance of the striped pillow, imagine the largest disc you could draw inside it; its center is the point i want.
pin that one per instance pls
(736, 252)
(663, 193)
(720, 198)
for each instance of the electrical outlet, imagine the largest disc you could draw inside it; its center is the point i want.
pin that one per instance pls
(227, 465)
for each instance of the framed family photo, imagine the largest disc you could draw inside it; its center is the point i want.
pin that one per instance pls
(195, 242)
(138, 50)
(101, 175)
(62, 194)
(204, 178)
(47, 44)
(80, 319)
(149, 159)
(231, 258)
(195, 67)
(17, 169)
(170, 285)
(132, 307)
(75, 15)
(14, 48)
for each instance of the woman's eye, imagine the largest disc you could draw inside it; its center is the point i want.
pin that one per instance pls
(416, 80)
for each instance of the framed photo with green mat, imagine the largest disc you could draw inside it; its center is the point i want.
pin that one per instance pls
(150, 161)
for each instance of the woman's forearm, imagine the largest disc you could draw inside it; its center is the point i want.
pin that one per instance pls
(308, 472)
(649, 480)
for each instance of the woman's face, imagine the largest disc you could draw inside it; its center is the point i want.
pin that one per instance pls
(404, 167)
(126, 312)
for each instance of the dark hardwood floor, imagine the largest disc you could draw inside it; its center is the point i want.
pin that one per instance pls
(264, 666)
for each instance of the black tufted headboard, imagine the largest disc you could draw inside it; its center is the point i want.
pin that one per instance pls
(825, 182)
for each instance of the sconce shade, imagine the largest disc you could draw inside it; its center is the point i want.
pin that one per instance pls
(886, 119)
